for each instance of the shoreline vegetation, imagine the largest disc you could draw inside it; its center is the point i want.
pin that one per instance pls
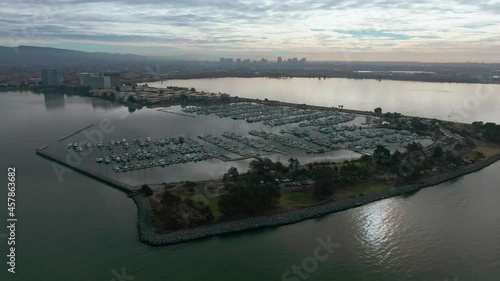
(273, 193)
(148, 231)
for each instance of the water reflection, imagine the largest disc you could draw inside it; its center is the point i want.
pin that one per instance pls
(54, 101)
(104, 104)
(376, 225)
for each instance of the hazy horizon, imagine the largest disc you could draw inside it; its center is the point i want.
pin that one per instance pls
(319, 30)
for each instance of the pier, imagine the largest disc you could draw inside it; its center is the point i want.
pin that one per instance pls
(70, 135)
(126, 188)
(176, 113)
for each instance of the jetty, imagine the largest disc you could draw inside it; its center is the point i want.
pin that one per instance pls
(126, 188)
(176, 113)
(70, 135)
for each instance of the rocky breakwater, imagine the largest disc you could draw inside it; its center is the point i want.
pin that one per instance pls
(149, 235)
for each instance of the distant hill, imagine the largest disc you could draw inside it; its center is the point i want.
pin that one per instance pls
(42, 56)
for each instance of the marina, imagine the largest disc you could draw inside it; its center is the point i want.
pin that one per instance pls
(257, 130)
(273, 115)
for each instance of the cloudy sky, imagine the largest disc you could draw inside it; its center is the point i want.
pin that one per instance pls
(419, 30)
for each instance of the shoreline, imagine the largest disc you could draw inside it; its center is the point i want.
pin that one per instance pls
(381, 78)
(147, 228)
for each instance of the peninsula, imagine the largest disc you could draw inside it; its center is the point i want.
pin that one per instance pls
(397, 155)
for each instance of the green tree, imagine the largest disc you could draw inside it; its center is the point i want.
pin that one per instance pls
(378, 111)
(146, 190)
(414, 146)
(170, 200)
(381, 154)
(131, 98)
(233, 172)
(323, 183)
(438, 152)
(293, 163)
(248, 198)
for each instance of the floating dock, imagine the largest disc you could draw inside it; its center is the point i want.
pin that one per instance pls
(177, 113)
(70, 135)
(126, 188)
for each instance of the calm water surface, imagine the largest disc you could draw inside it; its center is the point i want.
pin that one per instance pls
(447, 101)
(79, 229)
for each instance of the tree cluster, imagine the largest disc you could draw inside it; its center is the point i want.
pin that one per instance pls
(254, 192)
(176, 213)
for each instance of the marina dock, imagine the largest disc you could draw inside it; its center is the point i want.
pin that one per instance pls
(126, 188)
(70, 135)
(177, 113)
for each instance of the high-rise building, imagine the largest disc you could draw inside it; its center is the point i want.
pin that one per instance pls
(303, 60)
(114, 77)
(238, 61)
(280, 59)
(51, 77)
(226, 61)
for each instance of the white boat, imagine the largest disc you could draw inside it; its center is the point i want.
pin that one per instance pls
(99, 160)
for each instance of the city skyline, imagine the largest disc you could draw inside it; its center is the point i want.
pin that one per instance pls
(319, 30)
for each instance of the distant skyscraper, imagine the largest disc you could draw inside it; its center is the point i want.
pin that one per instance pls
(226, 61)
(280, 59)
(303, 60)
(238, 61)
(50, 77)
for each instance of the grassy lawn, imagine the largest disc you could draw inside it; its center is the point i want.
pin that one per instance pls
(489, 149)
(362, 188)
(212, 201)
(296, 199)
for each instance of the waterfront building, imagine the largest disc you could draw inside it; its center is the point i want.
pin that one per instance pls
(51, 77)
(115, 79)
(95, 81)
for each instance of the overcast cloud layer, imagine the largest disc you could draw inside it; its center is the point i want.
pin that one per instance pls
(323, 30)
